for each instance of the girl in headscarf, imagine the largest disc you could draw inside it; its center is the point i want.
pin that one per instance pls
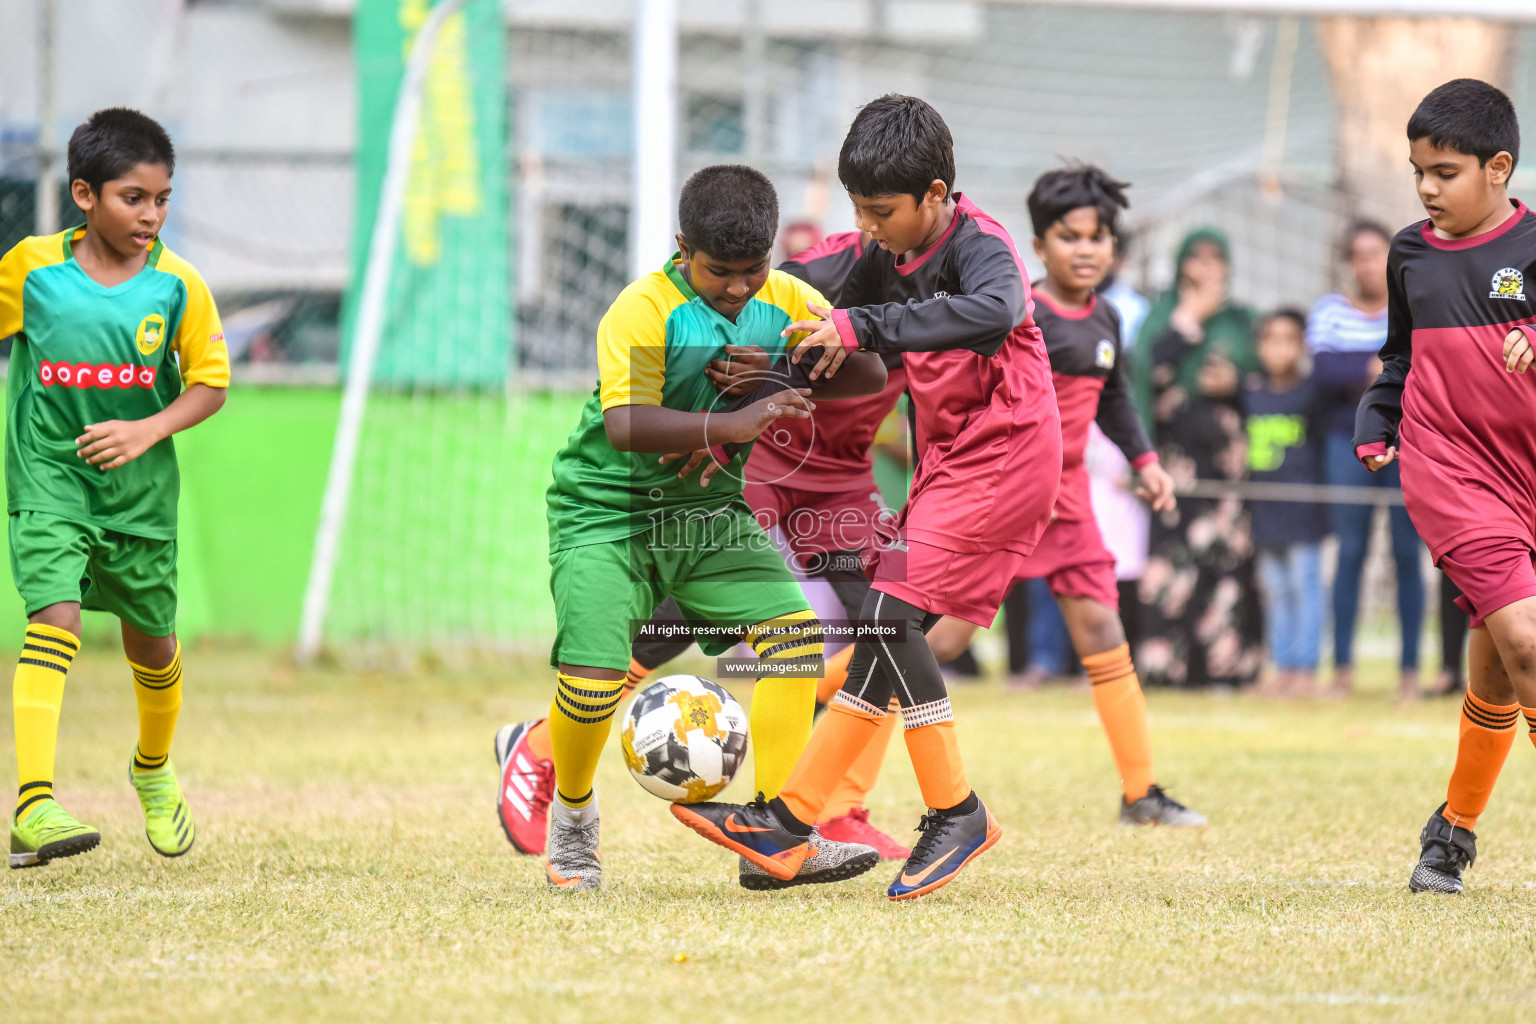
(1202, 616)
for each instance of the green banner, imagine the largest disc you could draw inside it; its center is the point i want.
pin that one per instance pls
(449, 320)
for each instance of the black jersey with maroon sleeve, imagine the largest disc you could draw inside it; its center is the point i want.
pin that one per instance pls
(988, 433)
(825, 265)
(1084, 349)
(1465, 427)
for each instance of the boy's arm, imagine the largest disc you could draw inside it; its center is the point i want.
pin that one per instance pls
(660, 431)
(1118, 418)
(114, 443)
(1381, 407)
(992, 305)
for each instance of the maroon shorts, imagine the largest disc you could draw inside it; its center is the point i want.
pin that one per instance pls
(820, 522)
(1073, 561)
(1493, 573)
(969, 585)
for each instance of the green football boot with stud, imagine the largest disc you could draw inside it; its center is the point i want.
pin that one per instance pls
(48, 833)
(167, 818)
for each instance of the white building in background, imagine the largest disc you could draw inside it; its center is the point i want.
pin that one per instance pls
(260, 97)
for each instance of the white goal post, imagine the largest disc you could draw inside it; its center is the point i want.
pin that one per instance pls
(367, 332)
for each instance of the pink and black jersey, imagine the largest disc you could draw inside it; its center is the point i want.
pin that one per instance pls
(1464, 426)
(831, 451)
(1084, 349)
(988, 433)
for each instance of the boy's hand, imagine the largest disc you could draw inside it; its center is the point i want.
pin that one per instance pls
(694, 458)
(116, 442)
(746, 424)
(742, 372)
(1375, 462)
(1156, 487)
(1517, 351)
(823, 334)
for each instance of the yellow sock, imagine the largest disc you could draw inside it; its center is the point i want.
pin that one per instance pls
(159, 694)
(782, 706)
(36, 696)
(579, 720)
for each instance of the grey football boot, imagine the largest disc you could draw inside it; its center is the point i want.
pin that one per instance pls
(1446, 851)
(832, 862)
(1158, 808)
(572, 863)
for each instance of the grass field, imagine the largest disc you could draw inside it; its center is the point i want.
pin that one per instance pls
(349, 867)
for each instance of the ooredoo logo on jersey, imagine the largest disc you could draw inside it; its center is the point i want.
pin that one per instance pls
(1508, 283)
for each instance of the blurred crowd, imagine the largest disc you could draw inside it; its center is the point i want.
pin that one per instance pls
(1231, 591)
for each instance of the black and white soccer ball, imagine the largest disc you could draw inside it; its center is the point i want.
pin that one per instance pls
(684, 738)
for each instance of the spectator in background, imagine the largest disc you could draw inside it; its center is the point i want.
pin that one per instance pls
(1284, 415)
(1201, 615)
(1345, 332)
(1128, 302)
(798, 236)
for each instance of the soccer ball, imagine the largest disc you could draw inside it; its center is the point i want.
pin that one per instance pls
(684, 738)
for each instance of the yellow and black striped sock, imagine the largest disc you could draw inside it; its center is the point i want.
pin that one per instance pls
(37, 694)
(783, 706)
(159, 695)
(579, 719)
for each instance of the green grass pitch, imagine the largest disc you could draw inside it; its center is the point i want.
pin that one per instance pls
(349, 867)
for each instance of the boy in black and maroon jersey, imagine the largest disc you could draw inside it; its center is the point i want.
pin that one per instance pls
(1448, 403)
(943, 286)
(1074, 213)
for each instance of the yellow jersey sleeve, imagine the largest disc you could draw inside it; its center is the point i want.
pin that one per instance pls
(793, 296)
(199, 340)
(632, 343)
(25, 256)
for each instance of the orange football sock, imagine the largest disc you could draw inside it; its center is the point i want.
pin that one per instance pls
(835, 675)
(935, 753)
(849, 726)
(1530, 720)
(1487, 733)
(1122, 709)
(538, 742)
(635, 676)
(861, 777)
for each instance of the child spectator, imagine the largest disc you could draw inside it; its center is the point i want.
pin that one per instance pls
(1285, 445)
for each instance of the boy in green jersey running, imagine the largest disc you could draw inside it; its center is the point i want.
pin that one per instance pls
(627, 530)
(117, 346)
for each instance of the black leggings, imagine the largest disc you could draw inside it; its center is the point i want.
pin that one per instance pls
(897, 659)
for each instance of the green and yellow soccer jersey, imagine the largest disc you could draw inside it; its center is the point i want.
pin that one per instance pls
(652, 347)
(84, 353)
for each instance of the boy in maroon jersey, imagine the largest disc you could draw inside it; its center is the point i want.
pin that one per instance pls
(1074, 211)
(944, 287)
(1457, 307)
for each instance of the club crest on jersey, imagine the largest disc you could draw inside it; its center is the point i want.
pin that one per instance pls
(1508, 283)
(151, 333)
(1104, 354)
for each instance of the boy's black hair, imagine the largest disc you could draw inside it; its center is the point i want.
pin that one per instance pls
(897, 145)
(1469, 116)
(1059, 192)
(1291, 313)
(730, 211)
(113, 142)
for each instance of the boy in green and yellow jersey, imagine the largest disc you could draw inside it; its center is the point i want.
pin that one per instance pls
(626, 530)
(117, 346)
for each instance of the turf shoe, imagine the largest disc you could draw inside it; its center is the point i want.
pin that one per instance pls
(950, 840)
(527, 787)
(753, 831)
(572, 864)
(48, 833)
(854, 827)
(1445, 852)
(167, 818)
(832, 862)
(1158, 808)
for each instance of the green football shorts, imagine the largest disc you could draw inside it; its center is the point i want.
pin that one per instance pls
(724, 578)
(55, 559)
